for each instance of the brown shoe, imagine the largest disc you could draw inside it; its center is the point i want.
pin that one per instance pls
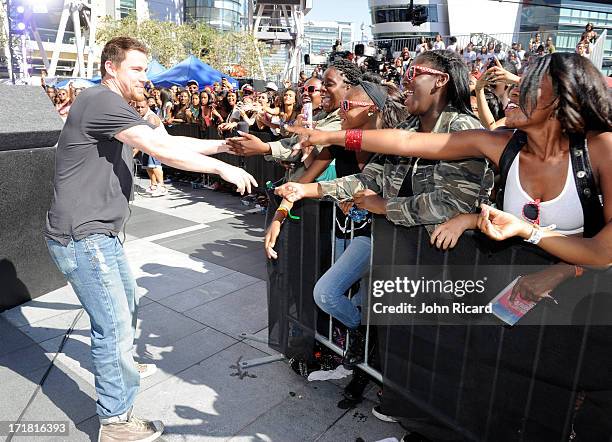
(132, 430)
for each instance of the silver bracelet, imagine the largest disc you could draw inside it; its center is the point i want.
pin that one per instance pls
(537, 233)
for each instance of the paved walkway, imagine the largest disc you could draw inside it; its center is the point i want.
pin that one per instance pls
(198, 259)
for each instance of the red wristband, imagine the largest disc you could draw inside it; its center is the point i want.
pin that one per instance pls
(352, 139)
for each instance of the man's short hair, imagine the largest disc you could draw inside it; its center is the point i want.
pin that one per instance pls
(115, 50)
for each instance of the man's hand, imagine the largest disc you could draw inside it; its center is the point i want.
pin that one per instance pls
(241, 178)
(369, 200)
(247, 145)
(292, 192)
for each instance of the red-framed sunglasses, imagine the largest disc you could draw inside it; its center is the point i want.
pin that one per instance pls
(347, 105)
(531, 212)
(309, 89)
(411, 72)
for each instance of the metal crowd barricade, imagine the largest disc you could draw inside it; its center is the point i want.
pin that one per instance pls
(485, 382)
(477, 380)
(327, 340)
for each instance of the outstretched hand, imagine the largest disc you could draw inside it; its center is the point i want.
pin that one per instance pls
(309, 138)
(247, 145)
(240, 177)
(270, 239)
(292, 192)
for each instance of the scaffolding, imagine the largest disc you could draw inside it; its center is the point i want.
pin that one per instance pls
(277, 23)
(82, 15)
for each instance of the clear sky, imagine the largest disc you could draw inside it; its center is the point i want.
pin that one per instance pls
(356, 11)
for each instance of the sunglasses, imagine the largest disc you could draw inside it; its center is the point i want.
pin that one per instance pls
(412, 70)
(309, 89)
(347, 105)
(531, 212)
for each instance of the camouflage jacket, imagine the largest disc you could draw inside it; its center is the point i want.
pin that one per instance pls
(281, 150)
(440, 189)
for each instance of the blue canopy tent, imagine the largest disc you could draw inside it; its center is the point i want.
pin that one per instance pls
(192, 68)
(155, 68)
(76, 82)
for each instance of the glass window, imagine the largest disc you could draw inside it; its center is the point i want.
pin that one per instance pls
(432, 14)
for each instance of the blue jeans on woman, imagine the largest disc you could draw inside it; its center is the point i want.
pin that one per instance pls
(349, 267)
(98, 271)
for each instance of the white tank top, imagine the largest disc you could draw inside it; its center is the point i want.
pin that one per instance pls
(565, 210)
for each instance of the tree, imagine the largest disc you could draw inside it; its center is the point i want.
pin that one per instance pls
(170, 43)
(3, 32)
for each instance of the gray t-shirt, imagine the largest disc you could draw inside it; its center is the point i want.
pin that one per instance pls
(93, 171)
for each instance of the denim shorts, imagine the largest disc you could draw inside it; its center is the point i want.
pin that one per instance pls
(153, 163)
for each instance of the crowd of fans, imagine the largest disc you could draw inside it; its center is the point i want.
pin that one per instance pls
(223, 110)
(436, 89)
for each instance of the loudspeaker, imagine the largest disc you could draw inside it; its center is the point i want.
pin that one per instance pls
(359, 49)
(28, 119)
(307, 59)
(29, 128)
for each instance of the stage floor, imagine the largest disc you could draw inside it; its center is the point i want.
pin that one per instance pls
(199, 263)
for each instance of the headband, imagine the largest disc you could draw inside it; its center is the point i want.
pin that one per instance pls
(376, 92)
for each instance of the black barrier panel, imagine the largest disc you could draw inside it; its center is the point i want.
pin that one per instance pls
(187, 130)
(487, 382)
(304, 254)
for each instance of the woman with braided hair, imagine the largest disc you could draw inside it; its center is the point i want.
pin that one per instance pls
(555, 191)
(411, 192)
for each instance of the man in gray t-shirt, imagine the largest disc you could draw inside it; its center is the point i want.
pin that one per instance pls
(93, 180)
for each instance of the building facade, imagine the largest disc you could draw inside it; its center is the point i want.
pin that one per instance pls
(390, 19)
(224, 15)
(320, 36)
(565, 24)
(563, 20)
(165, 10)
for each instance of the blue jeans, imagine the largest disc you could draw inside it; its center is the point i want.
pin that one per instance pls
(98, 271)
(349, 267)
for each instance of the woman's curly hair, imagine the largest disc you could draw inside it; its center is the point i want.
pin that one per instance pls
(583, 100)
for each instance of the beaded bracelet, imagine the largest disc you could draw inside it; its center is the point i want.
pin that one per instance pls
(285, 211)
(352, 139)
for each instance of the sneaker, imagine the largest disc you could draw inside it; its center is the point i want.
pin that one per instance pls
(133, 430)
(379, 414)
(146, 370)
(151, 189)
(159, 192)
